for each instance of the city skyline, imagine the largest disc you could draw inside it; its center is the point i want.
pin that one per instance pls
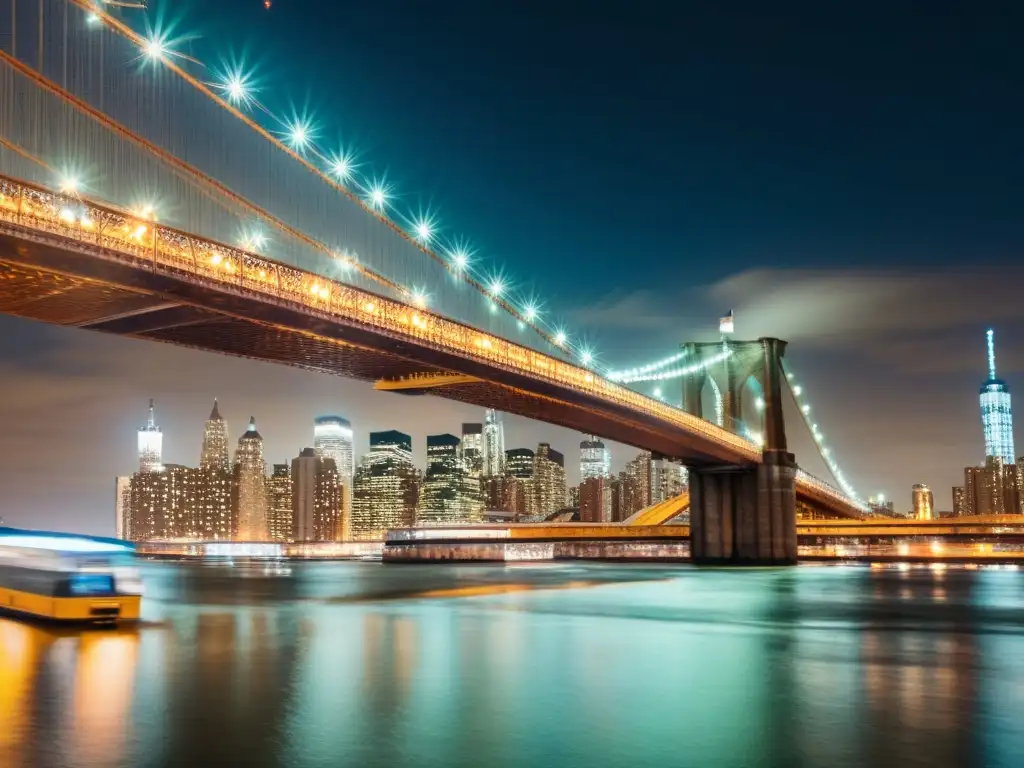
(881, 288)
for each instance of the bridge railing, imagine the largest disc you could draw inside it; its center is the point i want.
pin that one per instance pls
(222, 266)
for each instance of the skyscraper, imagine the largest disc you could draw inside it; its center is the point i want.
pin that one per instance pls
(385, 486)
(493, 444)
(279, 503)
(549, 494)
(991, 490)
(595, 460)
(668, 479)
(996, 414)
(448, 494)
(122, 507)
(162, 504)
(596, 500)
(924, 502)
(639, 469)
(151, 444)
(316, 497)
(251, 486)
(472, 448)
(214, 455)
(332, 439)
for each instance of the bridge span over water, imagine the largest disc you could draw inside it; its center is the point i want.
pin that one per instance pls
(350, 287)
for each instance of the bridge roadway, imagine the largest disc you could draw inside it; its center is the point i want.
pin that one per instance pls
(75, 263)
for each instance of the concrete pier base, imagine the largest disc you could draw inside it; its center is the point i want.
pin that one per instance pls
(745, 516)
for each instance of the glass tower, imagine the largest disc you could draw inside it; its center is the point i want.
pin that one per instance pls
(251, 486)
(493, 447)
(332, 439)
(996, 414)
(595, 461)
(151, 444)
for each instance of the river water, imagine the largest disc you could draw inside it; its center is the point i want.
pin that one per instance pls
(364, 664)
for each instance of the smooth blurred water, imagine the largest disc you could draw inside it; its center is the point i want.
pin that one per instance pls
(362, 664)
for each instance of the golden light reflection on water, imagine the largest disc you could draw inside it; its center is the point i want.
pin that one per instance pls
(104, 679)
(103, 669)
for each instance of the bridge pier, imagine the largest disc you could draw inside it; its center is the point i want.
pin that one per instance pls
(745, 516)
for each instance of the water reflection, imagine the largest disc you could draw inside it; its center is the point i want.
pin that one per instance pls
(349, 664)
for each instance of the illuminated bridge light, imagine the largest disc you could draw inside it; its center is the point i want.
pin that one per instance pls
(586, 357)
(93, 18)
(419, 298)
(298, 134)
(496, 288)
(424, 231)
(236, 86)
(155, 47)
(378, 196)
(69, 185)
(341, 167)
(530, 313)
(460, 258)
(560, 338)
(797, 390)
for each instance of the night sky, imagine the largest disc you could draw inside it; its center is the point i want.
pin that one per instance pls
(849, 180)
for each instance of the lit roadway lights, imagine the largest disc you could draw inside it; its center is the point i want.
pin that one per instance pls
(419, 298)
(341, 167)
(236, 87)
(378, 196)
(155, 47)
(299, 135)
(424, 230)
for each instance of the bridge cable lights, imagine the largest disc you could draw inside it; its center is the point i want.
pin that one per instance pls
(424, 230)
(298, 141)
(645, 369)
(819, 439)
(460, 259)
(419, 298)
(627, 377)
(299, 135)
(69, 185)
(236, 86)
(342, 167)
(378, 196)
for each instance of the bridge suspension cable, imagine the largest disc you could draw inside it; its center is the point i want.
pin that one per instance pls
(805, 410)
(218, 192)
(370, 194)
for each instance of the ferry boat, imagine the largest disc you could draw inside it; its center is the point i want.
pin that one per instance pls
(68, 578)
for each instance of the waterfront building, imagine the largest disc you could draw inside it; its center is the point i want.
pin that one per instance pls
(923, 502)
(161, 504)
(332, 439)
(215, 518)
(596, 500)
(473, 448)
(449, 494)
(639, 469)
(316, 498)
(150, 444)
(627, 496)
(958, 501)
(214, 456)
(493, 444)
(385, 488)
(595, 459)
(991, 490)
(668, 479)
(996, 412)
(250, 486)
(548, 483)
(122, 507)
(279, 503)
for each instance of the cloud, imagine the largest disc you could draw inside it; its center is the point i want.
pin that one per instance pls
(829, 307)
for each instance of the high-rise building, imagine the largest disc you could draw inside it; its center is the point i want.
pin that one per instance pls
(473, 448)
(332, 439)
(924, 502)
(448, 494)
(992, 489)
(996, 413)
(640, 470)
(161, 504)
(385, 487)
(215, 452)
(316, 498)
(515, 487)
(150, 444)
(627, 495)
(548, 486)
(493, 444)
(668, 479)
(279, 503)
(596, 500)
(595, 460)
(215, 514)
(122, 507)
(958, 501)
(519, 463)
(251, 486)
